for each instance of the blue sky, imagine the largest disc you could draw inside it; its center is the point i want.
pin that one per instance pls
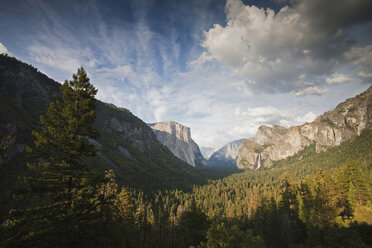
(223, 68)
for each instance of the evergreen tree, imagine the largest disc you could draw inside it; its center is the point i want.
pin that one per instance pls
(195, 225)
(63, 187)
(354, 182)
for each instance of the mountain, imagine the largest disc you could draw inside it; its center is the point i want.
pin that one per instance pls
(178, 139)
(126, 144)
(226, 156)
(330, 129)
(207, 151)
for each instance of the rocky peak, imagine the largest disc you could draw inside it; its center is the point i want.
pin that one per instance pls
(332, 128)
(227, 155)
(178, 139)
(270, 135)
(207, 151)
(173, 128)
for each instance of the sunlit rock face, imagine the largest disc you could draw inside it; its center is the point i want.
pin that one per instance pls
(330, 129)
(227, 155)
(178, 139)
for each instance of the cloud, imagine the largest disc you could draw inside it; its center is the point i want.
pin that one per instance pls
(267, 115)
(331, 15)
(308, 117)
(363, 74)
(221, 84)
(313, 90)
(60, 57)
(361, 58)
(338, 78)
(3, 49)
(275, 49)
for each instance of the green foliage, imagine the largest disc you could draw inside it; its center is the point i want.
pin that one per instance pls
(194, 224)
(25, 94)
(220, 236)
(304, 201)
(66, 188)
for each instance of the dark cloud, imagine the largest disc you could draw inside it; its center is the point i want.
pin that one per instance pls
(331, 15)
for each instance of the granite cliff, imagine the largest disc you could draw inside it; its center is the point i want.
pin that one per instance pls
(330, 129)
(226, 156)
(178, 139)
(207, 152)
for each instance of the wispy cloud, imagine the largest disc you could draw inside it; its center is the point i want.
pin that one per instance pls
(312, 90)
(338, 78)
(241, 72)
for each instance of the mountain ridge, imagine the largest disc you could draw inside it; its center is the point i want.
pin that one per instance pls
(126, 145)
(347, 120)
(227, 155)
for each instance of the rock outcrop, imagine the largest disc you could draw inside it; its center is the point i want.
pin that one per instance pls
(332, 128)
(226, 156)
(207, 152)
(178, 139)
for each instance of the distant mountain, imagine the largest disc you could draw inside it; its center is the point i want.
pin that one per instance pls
(178, 139)
(126, 144)
(330, 129)
(207, 151)
(226, 156)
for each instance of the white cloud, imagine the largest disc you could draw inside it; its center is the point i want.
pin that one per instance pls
(245, 87)
(308, 117)
(275, 49)
(262, 114)
(338, 78)
(363, 74)
(3, 49)
(60, 57)
(120, 72)
(253, 118)
(313, 90)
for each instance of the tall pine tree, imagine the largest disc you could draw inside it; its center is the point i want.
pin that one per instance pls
(63, 188)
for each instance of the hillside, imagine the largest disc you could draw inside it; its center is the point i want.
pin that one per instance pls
(126, 144)
(305, 200)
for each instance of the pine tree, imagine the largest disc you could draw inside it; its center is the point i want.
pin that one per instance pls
(64, 212)
(354, 182)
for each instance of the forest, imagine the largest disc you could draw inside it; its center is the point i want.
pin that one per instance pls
(307, 200)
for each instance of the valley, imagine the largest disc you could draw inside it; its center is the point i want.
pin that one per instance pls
(307, 185)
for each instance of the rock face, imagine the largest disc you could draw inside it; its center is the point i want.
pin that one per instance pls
(178, 139)
(332, 128)
(207, 152)
(227, 155)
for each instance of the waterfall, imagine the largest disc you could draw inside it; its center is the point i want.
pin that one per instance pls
(258, 161)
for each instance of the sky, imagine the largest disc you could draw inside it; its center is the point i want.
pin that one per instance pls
(222, 68)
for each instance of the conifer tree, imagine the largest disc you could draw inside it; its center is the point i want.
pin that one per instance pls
(355, 183)
(62, 188)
